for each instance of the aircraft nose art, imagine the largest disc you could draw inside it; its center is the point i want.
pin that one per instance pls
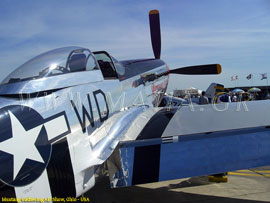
(24, 147)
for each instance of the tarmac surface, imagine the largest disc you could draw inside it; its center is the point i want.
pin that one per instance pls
(247, 186)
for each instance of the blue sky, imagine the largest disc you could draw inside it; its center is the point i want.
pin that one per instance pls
(234, 33)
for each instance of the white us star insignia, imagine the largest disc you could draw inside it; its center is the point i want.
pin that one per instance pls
(22, 144)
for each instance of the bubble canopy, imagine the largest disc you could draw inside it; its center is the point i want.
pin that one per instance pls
(54, 62)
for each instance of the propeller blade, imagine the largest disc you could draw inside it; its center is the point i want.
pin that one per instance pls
(155, 32)
(209, 69)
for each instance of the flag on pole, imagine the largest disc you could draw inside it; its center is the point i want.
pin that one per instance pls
(264, 76)
(249, 76)
(235, 77)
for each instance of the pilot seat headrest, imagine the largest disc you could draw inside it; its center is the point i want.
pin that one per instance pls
(77, 62)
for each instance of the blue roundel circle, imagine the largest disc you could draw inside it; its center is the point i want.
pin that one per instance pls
(24, 147)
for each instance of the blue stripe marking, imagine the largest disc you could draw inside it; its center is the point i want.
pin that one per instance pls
(204, 154)
(213, 155)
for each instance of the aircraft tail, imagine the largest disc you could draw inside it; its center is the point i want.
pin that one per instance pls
(213, 89)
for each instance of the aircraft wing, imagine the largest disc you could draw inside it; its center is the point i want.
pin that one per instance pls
(170, 143)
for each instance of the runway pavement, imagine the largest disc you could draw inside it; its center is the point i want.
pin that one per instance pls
(247, 186)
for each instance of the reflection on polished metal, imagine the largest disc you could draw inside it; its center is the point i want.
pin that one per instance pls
(51, 83)
(106, 146)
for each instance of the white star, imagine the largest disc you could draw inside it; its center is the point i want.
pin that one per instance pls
(22, 144)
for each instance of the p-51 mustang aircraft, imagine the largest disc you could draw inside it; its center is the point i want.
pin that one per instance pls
(68, 114)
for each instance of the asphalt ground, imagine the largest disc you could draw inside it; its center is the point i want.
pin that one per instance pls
(247, 186)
